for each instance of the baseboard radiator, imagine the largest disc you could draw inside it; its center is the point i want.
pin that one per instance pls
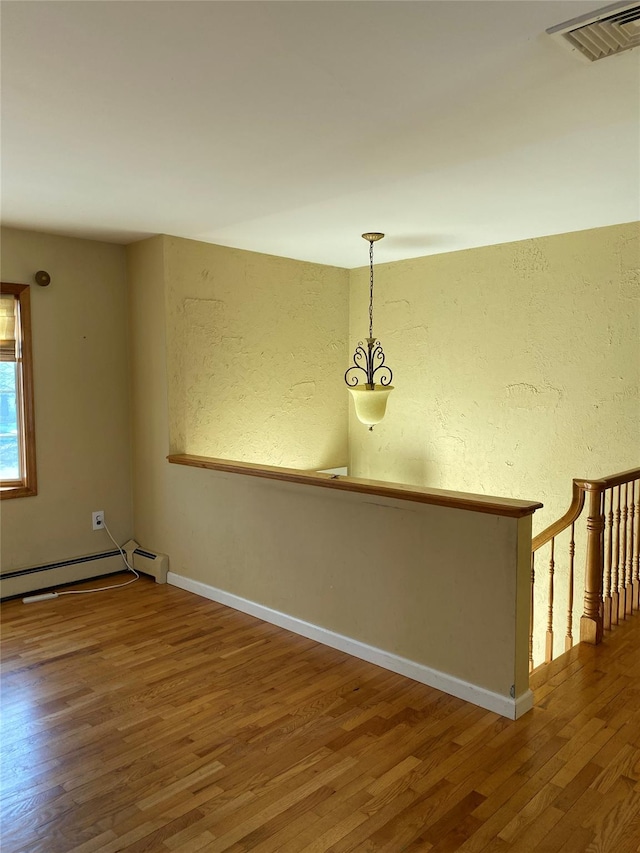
(50, 575)
(148, 562)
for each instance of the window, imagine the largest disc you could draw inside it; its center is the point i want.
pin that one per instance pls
(17, 430)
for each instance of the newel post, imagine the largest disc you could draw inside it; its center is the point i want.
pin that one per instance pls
(591, 621)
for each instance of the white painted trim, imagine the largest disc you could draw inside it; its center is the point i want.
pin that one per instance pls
(503, 705)
(524, 703)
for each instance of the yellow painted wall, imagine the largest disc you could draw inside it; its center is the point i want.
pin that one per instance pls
(434, 585)
(256, 349)
(516, 367)
(81, 365)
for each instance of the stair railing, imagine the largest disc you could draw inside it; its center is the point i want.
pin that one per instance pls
(609, 546)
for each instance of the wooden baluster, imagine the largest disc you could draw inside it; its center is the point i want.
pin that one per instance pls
(533, 580)
(636, 573)
(548, 653)
(591, 620)
(630, 546)
(609, 563)
(603, 503)
(625, 594)
(568, 640)
(615, 597)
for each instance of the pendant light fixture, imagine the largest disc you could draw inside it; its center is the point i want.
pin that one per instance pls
(370, 399)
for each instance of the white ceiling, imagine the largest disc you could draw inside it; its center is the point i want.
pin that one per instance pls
(292, 127)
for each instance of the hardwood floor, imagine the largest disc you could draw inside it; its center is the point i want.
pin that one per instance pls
(148, 719)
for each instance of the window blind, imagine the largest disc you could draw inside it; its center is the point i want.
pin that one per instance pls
(8, 348)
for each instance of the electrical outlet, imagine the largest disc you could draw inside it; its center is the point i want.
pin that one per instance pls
(97, 519)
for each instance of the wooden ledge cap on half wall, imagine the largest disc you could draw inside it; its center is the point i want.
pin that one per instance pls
(508, 507)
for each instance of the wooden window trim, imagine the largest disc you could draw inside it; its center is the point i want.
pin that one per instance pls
(28, 485)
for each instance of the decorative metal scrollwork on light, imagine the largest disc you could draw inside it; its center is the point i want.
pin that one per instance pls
(368, 359)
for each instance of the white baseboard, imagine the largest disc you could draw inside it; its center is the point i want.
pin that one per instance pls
(503, 705)
(523, 703)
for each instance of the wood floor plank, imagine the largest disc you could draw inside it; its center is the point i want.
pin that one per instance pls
(164, 722)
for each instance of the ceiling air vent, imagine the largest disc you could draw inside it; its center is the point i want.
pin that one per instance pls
(605, 32)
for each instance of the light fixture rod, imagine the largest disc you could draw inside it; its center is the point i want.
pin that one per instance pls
(372, 237)
(371, 290)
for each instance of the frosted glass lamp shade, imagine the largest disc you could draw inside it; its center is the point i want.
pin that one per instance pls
(370, 403)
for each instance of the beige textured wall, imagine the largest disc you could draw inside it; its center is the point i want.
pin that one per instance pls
(81, 399)
(257, 346)
(516, 367)
(428, 583)
(148, 382)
